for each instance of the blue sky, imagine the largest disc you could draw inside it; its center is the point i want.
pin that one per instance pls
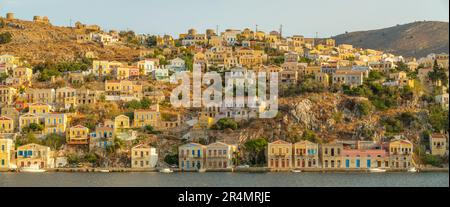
(326, 17)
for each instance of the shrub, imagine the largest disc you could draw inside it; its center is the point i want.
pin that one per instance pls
(5, 37)
(225, 123)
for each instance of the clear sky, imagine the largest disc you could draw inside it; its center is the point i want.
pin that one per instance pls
(326, 17)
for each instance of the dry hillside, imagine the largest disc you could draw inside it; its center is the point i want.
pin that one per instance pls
(38, 42)
(416, 39)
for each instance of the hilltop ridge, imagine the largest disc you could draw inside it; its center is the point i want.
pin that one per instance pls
(417, 39)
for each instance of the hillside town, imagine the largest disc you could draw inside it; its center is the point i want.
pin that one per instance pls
(340, 107)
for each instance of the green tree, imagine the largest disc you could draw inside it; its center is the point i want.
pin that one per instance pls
(54, 141)
(310, 136)
(364, 108)
(255, 149)
(438, 118)
(171, 159)
(225, 123)
(151, 41)
(91, 158)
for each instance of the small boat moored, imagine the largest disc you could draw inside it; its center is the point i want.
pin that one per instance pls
(32, 169)
(377, 170)
(296, 171)
(166, 170)
(412, 170)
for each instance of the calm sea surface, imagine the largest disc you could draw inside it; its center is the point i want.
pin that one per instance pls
(224, 180)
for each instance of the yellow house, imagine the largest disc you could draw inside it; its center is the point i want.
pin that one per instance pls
(123, 73)
(279, 155)
(143, 156)
(322, 78)
(332, 155)
(7, 95)
(306, 154)
(55, 123)
(6, 148)
(12, 113)
(204, 121)
(78, 135)
(121, 123)
(101, 68)
(40, 95)
(219, 155)
(400, 154)
(146, 117)
(26, 119)
(34, 154)
(39, 108)
(65, 94)
(124, 87)
(6, 125)
(23, 73)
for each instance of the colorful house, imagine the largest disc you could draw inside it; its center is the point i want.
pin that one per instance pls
(279, 155)
(306, 154)
(55, 123)
(400, 154)
(6, 125)
(219, 155)
(145, 117)
(121, 123)
(34, 154)
(78, 135)
(191, 157)
(6, 149)
(26, 119)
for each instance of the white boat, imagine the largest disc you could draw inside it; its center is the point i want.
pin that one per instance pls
(296, 171)
(32, 169)
(377, 170)
(104, 171)
(166, 170)
(412, 170)
(202, 170)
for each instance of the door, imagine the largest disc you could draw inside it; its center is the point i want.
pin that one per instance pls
(347, 163)
(369, 163)
(358, 163)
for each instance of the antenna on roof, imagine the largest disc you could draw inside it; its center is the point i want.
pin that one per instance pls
(217, 29)
(256, 28)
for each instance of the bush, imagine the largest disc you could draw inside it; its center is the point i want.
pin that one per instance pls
(91, 158)
(256, 148)
(54, 141)
(225, 123)
(364, 108)
(5, 37)
(171, 159)
(432, 160)
(438, 118)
